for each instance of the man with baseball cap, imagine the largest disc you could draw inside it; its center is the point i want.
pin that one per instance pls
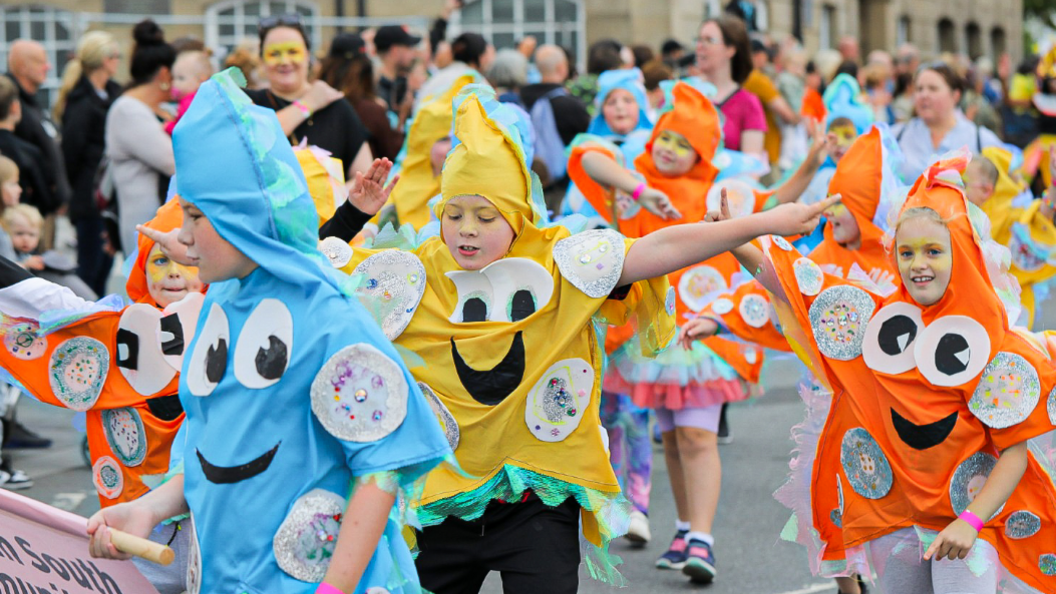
(395, 47)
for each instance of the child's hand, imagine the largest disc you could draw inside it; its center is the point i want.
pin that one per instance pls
(954, 542)
(131, 517)
(34, 263)
(821, 143)
(659, 204)
(696, 329)
(724, 209)
(796, 218)
(170, 246)
(368, 192)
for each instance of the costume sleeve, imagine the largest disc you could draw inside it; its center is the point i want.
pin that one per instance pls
(600, 197)
(735, 313)
(345, 224)
(648, 308)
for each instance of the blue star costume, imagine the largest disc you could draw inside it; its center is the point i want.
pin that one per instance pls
(291, 390)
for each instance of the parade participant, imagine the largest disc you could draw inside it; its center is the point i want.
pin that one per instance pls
(847, 118)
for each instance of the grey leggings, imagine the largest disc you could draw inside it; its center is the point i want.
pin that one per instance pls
(897, 559)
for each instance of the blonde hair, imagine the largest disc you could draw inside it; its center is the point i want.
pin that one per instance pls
(8, 169)
(200, 59)
(92, 50)
(920, 212)
(27, 212)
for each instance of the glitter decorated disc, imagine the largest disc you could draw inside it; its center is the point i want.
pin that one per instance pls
(1022, 524)
(952, 351)
(1047, 564)
(809, 276)
(22, 342)
(865, 464)
(592, 261)
(754, 310)
(722, 306)
(559, 400)
(304, 544)
(889, 338)
(447, 420)
(394, 285)
(125, 435)
(78, 372)
(1007, 392)
(969, 479)
(360, 394)
(698, 286)
(781, 242)
(107, 476)
(1050, 405)
(670, 301)
(838, 317)
(338, 252)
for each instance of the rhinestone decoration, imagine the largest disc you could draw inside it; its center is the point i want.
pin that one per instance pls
(106, 474)
(969, 479)
(670, 301)
(781, 242)
(1047, 564)
(559, 400)
(394, 288)
(592, 261)
(722, 306)
(447, 420)
(22, 342)
(354, 372)
(194, 561)
(1051, 406)
(125, 435)
(698, 285)
(754, 310)
(306, 539)
(78, 371)
(809, 276)
(336, 251)
(1007, 392)
(838, 318)
(864, 464)
(1022, 524)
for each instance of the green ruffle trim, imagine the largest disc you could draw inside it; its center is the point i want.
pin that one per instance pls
(612, 511)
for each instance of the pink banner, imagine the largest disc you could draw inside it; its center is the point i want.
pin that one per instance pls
(44, 550)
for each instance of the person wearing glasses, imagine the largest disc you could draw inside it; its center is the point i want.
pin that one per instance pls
(939, 125)
(307, 109)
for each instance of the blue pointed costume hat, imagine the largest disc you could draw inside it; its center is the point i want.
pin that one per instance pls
(843, 99)
(627, 79)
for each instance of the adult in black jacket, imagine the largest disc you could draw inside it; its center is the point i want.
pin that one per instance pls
(26, 156)
(84, 98)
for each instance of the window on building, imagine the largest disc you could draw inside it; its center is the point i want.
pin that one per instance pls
(998, 43)
(229, 23)
(827, 27)
(973, 40)
(505, 22)
(52, 27)
(947, 36)
(904, 32)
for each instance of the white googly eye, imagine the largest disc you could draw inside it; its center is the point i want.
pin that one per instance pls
(475, 296)
(262, 352)
(952, 351)
(209, 359)
(890, 338)
(520, 287)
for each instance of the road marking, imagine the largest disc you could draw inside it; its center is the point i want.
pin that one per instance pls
(812, 589)
(68, 501)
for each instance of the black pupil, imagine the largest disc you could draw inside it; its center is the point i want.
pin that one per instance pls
(946, 359)
(892, 333)
(216, 361)
(474, 310)
(522, 305)
(271, 362)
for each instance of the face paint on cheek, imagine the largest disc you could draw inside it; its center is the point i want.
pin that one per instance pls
(845, 135)
(287, 52)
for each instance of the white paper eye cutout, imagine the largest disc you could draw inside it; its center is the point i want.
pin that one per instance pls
(509, 276)
(209, 360)
(139, 356)
(890, 338)
(186, 311)
(952, 351)
(263, 350)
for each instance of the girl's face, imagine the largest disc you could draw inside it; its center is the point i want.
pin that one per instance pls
(844, 226)
(167, 281)
(11, 191)
(933, 99)
(925, 259)
(842, 137)
(285, 59)
(216, 259)
(712, 51)
(25, 237)
(475, 232)
(673, 155)
(620, 111)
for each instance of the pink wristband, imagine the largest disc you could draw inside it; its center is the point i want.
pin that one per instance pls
(972, 520)
(638, 191)
(303, 108)
(325, 588)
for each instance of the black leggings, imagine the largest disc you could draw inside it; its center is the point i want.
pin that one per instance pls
(535, 547)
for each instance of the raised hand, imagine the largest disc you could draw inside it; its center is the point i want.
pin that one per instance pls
(169, 244)
(659, 204)
(724, 209)
(369, 192)
(821, 144)
(796, 218)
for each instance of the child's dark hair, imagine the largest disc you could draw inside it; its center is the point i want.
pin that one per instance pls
(289, 21)
(150, 54)
(468, 48)
(8, 96)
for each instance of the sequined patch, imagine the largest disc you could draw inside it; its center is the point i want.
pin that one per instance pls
(360, 394)
(722, 306)
(864, 464)
(395, 283)
(194, 561)
(1051, 406)
(592, 261)
(1047, 564)
(559, 400)
(1022, 524)
(969, 479)
(78, 371)
(809, 276)
(106, 474)
(1007, 392)
(125, 435)
(447, 420)
(838, 317)
(670, 301)
(754, 310)
(22, 342)
(781, 242)
(306, 539)
(699, 285)
(338, 252)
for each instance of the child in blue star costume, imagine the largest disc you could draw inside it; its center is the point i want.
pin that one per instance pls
(303, 426)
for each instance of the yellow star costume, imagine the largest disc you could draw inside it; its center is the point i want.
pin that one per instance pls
(511, 356)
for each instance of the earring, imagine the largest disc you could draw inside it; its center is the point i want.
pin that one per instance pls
(164, 86)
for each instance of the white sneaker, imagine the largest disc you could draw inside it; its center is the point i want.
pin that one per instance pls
(15, 480)
(638, 530)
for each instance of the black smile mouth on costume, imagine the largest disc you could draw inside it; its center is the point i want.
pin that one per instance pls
(492, 386)
(922, 437)
(225, 475)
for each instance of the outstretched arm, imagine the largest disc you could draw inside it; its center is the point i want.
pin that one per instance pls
(607, 172)
(793, 188)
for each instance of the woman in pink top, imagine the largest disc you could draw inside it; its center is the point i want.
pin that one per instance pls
(724, 60)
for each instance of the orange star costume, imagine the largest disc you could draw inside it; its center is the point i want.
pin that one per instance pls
(512, 363)
(923, 399)
(717, 369)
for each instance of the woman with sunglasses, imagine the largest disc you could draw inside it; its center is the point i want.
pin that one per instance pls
(939, 125)
(307, 109)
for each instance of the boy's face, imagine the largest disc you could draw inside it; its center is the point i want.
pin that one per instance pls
(24, 236)
(186, 77)
(976, 188)
(475, 232)
(842, 137)
(620, 111)
(216, 259)
(167, 281)
(845, 229)
(11, 191)
(672, 154)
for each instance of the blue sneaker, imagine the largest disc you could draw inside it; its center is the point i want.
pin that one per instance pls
(700, 562)
(675, 557)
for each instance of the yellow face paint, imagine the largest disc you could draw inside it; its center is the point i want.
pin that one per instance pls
(925, 259)
(168, 281)
(835, 211)
(674, 142)
(286, 52)
(845, 135)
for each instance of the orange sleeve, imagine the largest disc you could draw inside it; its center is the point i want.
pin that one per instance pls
(600, 197)
(760, 85)
(738, 314)
(1014, 416)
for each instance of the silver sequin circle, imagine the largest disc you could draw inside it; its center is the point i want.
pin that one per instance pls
(781, 242)
(338, 252)
(1022, 524)
(865, 464)
(722, 306)
(969, 479)
(838, 318)
(360, 394)
(1007, 391)
(77, 372)
(395, 283)
(1051, 406)
(592, 261)
(125, 435)
(670, 301)
(306, 539)
(1047, 564)
(754, 310)
(447, 420)
(809, 276)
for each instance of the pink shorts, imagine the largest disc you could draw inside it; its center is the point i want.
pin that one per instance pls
(706, 418)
